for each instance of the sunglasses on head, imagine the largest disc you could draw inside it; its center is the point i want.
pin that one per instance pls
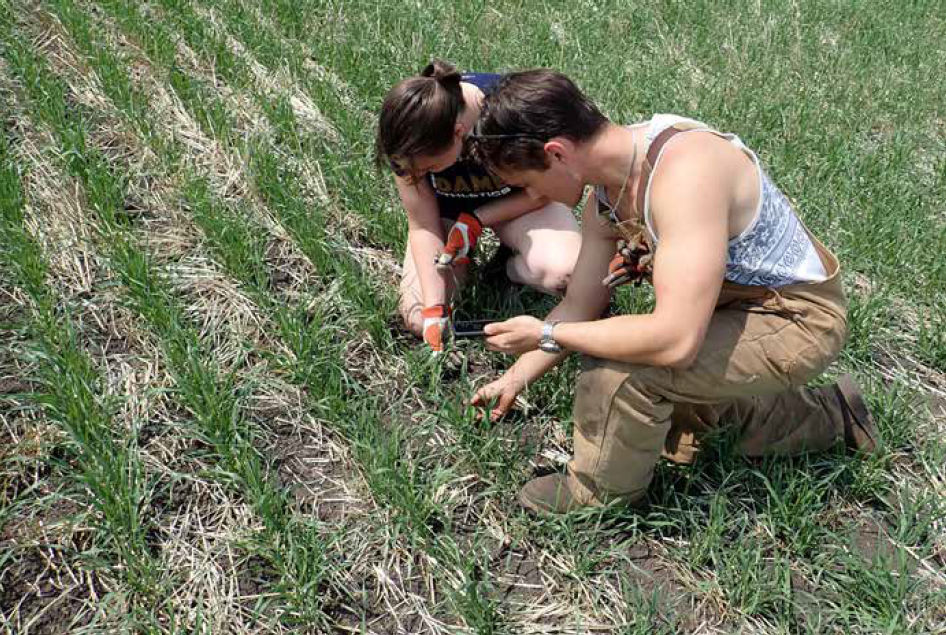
(489, 137)
(477, 135)
(476, 141)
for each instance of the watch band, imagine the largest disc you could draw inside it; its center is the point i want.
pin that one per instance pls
(547, 342)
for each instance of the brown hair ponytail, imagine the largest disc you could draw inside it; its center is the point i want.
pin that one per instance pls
(418, 117)
(445, 73)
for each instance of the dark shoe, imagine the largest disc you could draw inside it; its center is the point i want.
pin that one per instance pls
(549, 495)
(860, 433)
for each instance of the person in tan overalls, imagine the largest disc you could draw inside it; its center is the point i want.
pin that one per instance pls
(749, 305)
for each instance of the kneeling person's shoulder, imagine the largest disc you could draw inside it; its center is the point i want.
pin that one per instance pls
(698, 164)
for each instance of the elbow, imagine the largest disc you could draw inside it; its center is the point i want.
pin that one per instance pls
(681, 361)
(682, 355)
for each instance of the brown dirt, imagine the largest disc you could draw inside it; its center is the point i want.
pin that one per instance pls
(317, 479)
(28, 591)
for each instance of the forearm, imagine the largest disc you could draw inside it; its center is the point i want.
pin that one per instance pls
(534, 364)
(508, 208)
(424, 237)
(424, 249)
(640, 339)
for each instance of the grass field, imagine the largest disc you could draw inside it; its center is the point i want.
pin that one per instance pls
(211, 422)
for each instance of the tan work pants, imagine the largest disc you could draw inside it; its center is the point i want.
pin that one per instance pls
(761, 347)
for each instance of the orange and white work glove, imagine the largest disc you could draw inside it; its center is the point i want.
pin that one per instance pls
(436, 326)
(629, 265)
(460, 241)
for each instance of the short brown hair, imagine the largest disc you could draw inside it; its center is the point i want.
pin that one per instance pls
(418, 117)
(524, 111)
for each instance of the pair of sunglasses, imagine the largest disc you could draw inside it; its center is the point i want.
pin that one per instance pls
(477, 135)
(475, 138)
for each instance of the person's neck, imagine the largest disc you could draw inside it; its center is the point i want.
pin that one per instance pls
(472, 99)
(609, 154)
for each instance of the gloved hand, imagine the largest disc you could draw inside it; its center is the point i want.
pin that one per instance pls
(627, 265)
(460, 241)
(436, 326)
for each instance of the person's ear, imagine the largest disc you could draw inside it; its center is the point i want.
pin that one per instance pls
(558, 149)
(562, 151)
(459, 130)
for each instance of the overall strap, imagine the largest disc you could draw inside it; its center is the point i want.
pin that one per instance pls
(653, 152)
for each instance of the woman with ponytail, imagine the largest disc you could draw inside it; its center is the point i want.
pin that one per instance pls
(450, 198)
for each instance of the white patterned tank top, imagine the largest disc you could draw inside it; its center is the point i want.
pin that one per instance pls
(775, 249)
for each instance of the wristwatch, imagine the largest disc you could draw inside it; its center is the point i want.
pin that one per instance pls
(547, 342)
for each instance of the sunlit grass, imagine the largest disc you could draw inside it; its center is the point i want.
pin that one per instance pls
(843, 108)
(107, 461)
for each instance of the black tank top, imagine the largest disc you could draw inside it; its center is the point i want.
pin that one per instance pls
(467, 184)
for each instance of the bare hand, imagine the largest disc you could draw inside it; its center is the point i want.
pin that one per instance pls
(505, 390)
(514, 336)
